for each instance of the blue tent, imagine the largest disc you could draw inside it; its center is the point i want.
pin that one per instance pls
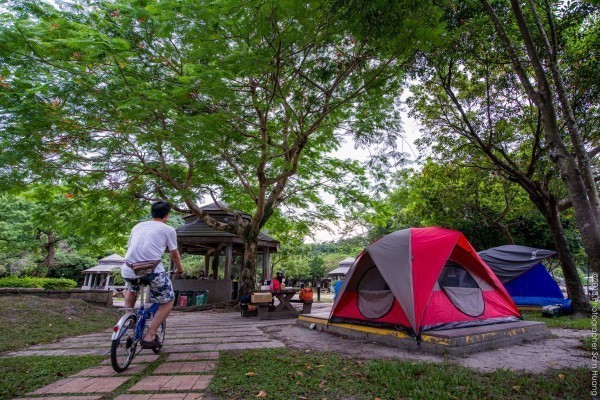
(522, 273)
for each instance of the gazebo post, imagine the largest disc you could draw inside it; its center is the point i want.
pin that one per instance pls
(206, 263)
(215, 263)
(106, 284)
(228, 259)
(266, 267)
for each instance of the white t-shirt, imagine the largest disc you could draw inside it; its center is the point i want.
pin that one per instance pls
(148, 241)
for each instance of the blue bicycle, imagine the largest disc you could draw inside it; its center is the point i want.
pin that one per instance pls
(129, 332)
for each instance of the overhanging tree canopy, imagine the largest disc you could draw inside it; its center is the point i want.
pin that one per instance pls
(185, 99)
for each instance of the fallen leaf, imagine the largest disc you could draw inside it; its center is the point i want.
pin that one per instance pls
(262, 393)
(322, 384)
(320, 366)
(552, 363)
(250, 374)
(299, 373)
(517, 388)
(377, 398)
(561, 376)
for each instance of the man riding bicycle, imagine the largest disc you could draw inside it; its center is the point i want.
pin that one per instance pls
(147, 242)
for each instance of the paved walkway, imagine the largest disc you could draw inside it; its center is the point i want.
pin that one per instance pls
(191, 349)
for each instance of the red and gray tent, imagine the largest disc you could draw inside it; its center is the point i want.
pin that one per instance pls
(421, 279)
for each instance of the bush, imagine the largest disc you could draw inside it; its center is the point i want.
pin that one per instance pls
(58, 284)
(34, 282)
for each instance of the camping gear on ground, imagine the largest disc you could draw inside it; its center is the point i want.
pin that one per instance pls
(306, 294)
(554, 310)
(259, 297)
(420, 279)
(524, 276)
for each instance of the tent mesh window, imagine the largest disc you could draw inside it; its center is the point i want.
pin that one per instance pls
(375, 299)
(462, 289)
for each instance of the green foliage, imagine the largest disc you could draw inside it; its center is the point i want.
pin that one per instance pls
(489, 210)
(59, 284)
(185, 100)
(115, 273)
(34, 282)
(22, 375)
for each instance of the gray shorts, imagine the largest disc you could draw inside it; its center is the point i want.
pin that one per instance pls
(161, 289)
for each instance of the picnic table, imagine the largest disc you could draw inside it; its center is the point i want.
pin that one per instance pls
(284, 309)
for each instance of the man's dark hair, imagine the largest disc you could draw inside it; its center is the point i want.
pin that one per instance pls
(160, 209)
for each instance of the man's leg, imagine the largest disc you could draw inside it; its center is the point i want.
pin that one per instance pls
(161, 291)
(160, 316)
(130, 298)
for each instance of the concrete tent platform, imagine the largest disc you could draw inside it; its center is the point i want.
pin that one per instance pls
(456, 342)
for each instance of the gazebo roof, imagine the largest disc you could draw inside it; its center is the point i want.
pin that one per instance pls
(339, 271)
(106, 264)
(348, 261)
(197, 237)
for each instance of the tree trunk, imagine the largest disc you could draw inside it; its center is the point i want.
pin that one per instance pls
(50, 247)
(248, 278)
(572, 179)
(574, 286)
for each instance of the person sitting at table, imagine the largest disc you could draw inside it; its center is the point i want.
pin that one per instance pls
(276, 283)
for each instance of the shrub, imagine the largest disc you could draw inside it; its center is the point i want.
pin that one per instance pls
(58, 284)
(34, 282)
(16, 282)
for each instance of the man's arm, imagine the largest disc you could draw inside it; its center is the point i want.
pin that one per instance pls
(176, 258)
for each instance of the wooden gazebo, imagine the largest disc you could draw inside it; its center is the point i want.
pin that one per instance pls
(219, 250)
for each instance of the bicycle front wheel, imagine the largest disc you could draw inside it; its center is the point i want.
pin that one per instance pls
(122, 349)
(160, 332)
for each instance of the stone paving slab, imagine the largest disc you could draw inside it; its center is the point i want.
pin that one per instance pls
(82, 385)
(215, 340)
(161, 396)
(208, 338)
(185, 367)
(107, 370)
(174, 382)
(207, 355)
(272, 344)
(141, 359)
(64, 352)
(61, 398)
(84, 344)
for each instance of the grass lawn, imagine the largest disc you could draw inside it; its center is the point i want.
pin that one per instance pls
(566, 321)
(287, 374)
(28, 320)
(21, 375)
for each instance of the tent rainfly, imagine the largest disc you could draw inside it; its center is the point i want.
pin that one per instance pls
(524, 276)
(422, 279)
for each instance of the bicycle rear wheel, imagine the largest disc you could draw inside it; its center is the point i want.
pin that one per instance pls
(122, 349)
(161, 336)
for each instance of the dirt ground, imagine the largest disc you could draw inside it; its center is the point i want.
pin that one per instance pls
(561, 350)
